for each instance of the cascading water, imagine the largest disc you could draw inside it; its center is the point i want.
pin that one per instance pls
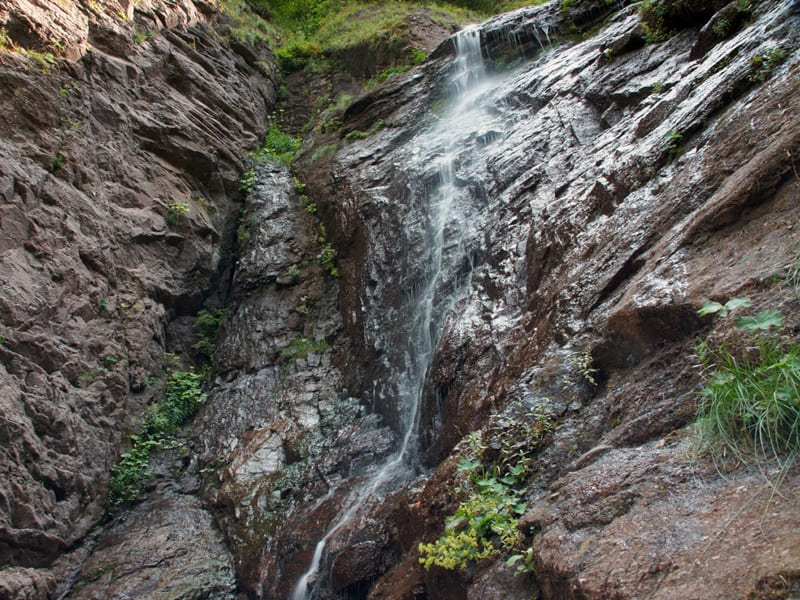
(443, 281)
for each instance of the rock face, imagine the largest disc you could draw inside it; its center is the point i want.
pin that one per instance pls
(279, 431)
(610, 186)
(601, 191)
(119, 188)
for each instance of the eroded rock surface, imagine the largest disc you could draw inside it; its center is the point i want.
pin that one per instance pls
(117, 118)
(611, 186)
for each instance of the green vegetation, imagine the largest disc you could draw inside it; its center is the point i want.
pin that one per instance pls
(248, 182)
(324, 151)
(277, 144)
(326, 258)
(674, 146)
(248, 26)
(206, 325)
(58, 162)
(486, 520)
(182, 398)
(176, 211)
(140, 37)
(751, 401)
(484, 523)
(44, 60)
(92, 374)
(299, 348)
(762, 66)
(315, 30)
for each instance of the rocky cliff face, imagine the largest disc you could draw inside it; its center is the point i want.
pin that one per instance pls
(125, 130)
(603, 188)
(611, 186)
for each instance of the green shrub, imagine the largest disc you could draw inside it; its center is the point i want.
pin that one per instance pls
(176, 211)
(206, 325)
(483, 524)
(183, 396)
(486, 521)
(277, 144)
(751, 400)
(248, 182)
(762, 66)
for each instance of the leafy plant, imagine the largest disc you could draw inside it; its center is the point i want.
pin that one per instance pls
(176, 211)
(418, 56)
(206, 325)
(762, 66)
(710, 308)
(58, 162)
(483, 524)
(248, 182)
(486, 521)
(326, 257)
(277, 144)
(183, 396)
(752, 395)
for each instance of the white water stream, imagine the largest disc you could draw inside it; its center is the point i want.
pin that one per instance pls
(442, 284)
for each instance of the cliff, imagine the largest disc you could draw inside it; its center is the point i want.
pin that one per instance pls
(483, 274)
(116, 117)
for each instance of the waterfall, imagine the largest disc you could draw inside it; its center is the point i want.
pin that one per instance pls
(444, 281)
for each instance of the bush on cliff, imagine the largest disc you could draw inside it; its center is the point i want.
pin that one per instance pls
(183, 396)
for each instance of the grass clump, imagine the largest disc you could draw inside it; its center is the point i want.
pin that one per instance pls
(183, 396)
(299, 348)
(751, 401)
(249, 25)
(277, 144)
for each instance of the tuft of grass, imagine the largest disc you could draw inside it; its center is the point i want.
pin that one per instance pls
(249, 26)
(751, 400)
(323, 152)
(299, 348)
(277, 144)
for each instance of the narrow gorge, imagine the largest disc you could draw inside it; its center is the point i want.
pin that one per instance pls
(433, 314)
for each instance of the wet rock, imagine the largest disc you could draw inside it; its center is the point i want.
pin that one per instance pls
(606, 191)
(165, 547)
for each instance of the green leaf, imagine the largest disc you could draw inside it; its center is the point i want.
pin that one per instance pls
(762, 321)
(514, 560)
(735, 303)
(709, 308)
(466, 464)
